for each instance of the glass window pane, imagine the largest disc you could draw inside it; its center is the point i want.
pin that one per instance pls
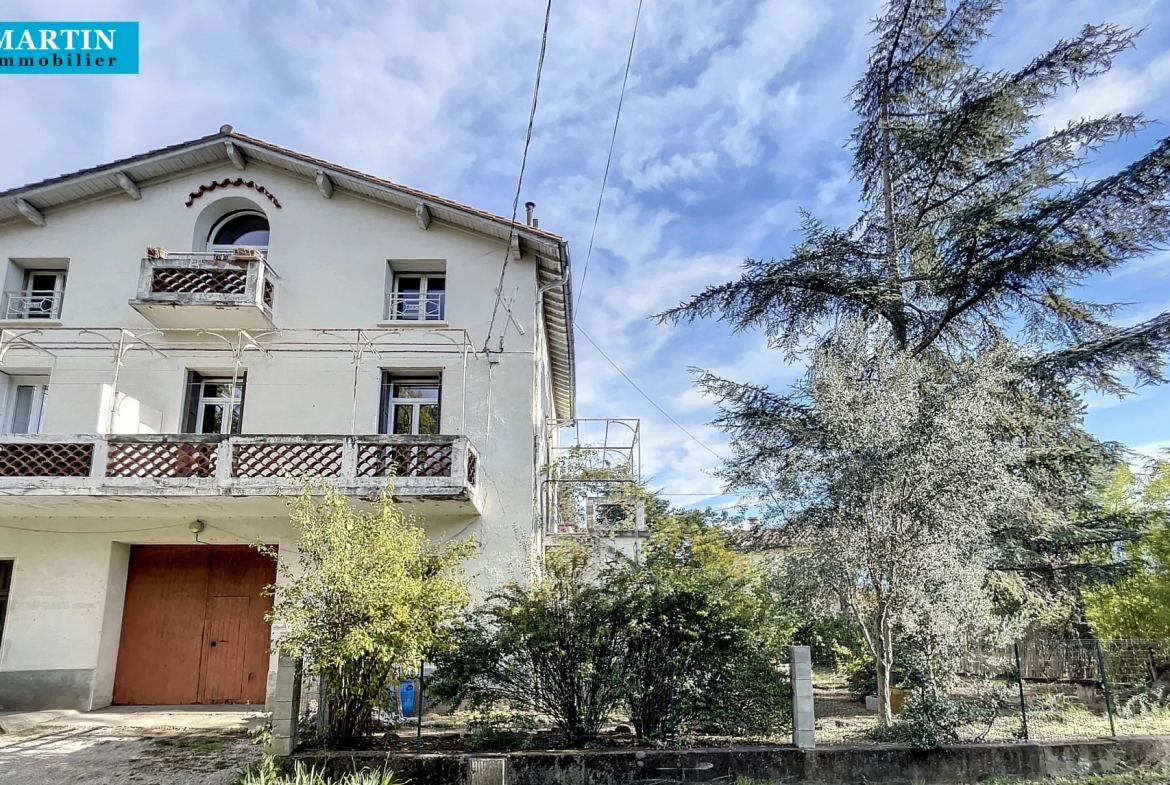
(414, 390)
(257, 238)
(212, 418)
(428, 418)
(408, 285)
(221, 390)
(248, 229)
(403, 418)
(436, 284)
(41, 282)
(22, 411)
(237, 414)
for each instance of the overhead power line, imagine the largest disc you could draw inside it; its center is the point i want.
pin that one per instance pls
(520, 179)
(694, 438)
(608, 158)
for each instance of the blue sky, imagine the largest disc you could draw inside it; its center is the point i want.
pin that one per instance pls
(735, 117)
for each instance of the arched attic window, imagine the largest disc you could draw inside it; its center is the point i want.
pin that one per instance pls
(245, 228)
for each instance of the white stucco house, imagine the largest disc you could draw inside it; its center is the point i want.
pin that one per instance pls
(185, 331)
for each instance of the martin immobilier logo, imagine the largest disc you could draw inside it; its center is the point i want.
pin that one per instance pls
(68, 48)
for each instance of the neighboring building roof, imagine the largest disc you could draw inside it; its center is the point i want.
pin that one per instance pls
(165, 163)
(758, 539)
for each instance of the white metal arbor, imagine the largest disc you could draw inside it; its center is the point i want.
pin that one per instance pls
(593, 478)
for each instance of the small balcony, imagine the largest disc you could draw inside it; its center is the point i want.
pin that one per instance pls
(194, 467)
(211, 290)
(33, 305)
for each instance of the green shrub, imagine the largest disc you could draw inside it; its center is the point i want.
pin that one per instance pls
(492, 730)
(931, 719)
(833, 641)
(705, 636)
(370, 594)
(553, 646)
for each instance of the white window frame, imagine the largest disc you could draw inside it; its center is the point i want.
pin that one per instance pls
(222, 248)
(40, 399)
(20, 308)
(227, 404)
(416, 404)
(423, 303)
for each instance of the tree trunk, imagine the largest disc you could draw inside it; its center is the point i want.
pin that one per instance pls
(884, 664)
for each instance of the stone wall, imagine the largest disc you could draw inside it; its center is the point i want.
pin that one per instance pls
(824, 766)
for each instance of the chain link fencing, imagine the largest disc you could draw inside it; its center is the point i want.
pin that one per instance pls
(1038, 690)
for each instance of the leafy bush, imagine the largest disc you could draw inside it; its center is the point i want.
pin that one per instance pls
(833, 641)
(261, 733)
(1138, 604)
(931, 719)
(553, 647)
(686, 637)
(859, 672)
(371, 595)
(704, 638)
(492, 730)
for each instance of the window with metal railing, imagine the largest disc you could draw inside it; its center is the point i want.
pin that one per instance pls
(40, 298)
(417, 297)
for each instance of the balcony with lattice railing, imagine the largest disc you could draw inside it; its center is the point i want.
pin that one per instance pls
(208, 289)
(434, 468)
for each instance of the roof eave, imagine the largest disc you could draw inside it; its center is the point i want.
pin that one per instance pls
(539, 242)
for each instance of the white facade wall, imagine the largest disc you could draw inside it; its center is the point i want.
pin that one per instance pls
(59, 645)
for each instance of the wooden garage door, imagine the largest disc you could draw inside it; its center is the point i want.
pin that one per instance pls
(193, 628)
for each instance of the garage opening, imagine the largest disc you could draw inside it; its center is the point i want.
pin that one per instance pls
(193, 628)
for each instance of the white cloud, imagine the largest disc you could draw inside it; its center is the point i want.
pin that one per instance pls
(735, 116)
(1122, 90)
(1153, 449)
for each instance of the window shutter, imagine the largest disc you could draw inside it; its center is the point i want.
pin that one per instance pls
(243, 394)
(384, 405)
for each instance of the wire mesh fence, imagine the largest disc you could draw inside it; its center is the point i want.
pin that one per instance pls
(1038, 690)
(1035, 690)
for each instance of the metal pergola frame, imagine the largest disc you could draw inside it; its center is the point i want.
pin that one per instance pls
(53, 341)
(612, 442)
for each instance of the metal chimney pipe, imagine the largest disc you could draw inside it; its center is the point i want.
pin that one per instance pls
(529, 207)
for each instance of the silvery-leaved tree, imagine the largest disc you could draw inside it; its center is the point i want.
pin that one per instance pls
(887, 469)
(976, 224)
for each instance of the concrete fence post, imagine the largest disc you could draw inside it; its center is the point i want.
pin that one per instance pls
(286, 707)
(803, 716)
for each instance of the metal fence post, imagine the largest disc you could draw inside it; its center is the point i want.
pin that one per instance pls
(1020, 682)
(418, 708)
(670, 709)
(1105, 688)
(803, 714)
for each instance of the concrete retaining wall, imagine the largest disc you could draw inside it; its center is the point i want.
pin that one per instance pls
(825, 766)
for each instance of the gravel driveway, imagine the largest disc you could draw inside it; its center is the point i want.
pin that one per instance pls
(103, 755)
